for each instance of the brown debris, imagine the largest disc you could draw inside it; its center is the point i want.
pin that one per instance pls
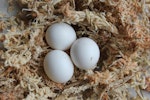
(148, 84)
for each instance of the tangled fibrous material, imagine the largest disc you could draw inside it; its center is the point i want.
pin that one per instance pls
(120, 27)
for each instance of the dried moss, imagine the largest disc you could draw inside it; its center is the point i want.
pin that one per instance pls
(120, 27)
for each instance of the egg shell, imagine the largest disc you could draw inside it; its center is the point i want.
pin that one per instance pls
(85, 53)
(58, 66)
(60, 36)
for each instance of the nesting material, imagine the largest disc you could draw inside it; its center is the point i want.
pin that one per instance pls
(121, 29)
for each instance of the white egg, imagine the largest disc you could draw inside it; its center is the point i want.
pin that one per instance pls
(85, 53)
(58, 66)
(60, 36)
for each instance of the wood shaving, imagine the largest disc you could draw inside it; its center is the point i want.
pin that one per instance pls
(121, 29)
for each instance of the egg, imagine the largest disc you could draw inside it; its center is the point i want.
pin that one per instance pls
(60, 36)
(85, 53)
(58, 66)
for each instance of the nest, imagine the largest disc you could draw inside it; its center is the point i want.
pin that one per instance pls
(121, 29)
